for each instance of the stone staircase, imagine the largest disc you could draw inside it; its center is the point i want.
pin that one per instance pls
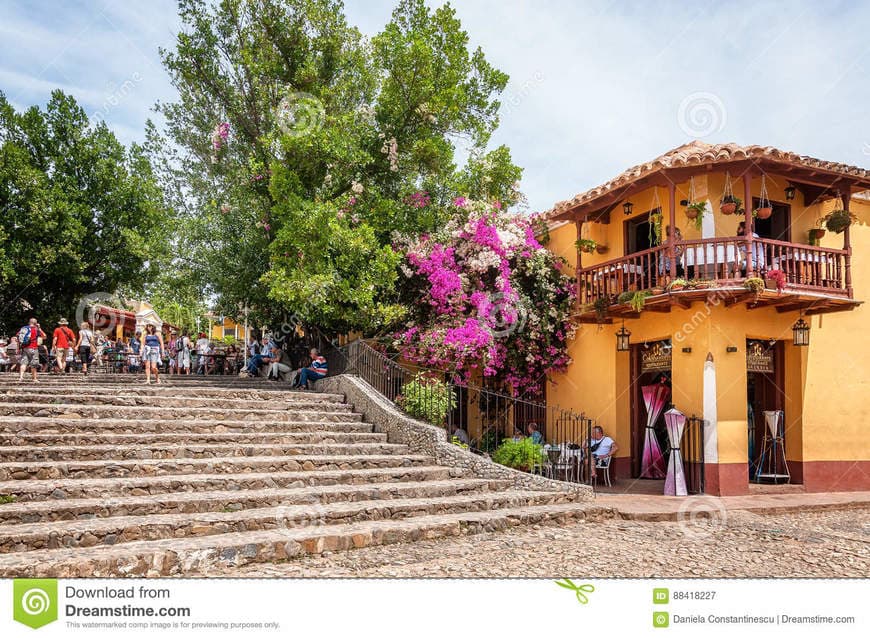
(104, 476)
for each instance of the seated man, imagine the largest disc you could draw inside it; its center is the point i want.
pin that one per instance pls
(317, 370)
(534, 434)
(279, 364)
(600, 446)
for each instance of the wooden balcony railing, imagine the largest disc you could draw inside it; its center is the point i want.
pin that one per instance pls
(722, 260)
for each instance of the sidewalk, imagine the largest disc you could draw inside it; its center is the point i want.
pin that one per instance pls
(650, 507)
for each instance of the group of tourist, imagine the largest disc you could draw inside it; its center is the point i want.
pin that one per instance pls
(28, 350)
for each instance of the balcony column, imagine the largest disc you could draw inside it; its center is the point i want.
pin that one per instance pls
(846, 195)
(747, 225)
(578, 225)
(672, 221)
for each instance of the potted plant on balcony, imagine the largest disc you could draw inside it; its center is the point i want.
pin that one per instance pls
(774, 278)
(765, 209)
(701, 284)
(755, 285)
(625, 297)
(729, 204)
(586, 245)
(815, 235)
(601, 249)
(600, 306)
(638, 299)
(695, 213)
(677, 284)
(838, 220)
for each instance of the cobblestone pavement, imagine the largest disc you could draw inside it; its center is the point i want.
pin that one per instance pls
(812, 544)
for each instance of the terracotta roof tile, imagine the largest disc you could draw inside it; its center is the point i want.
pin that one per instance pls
(697, 153)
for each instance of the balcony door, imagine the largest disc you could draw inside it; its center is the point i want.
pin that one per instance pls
(778, 225)
(639, 233)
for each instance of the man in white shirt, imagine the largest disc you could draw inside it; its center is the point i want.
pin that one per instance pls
(601, 446)
(202, 346)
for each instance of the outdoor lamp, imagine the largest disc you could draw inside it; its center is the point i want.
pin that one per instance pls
(626, 208)
(622, 343)
(801, 333)
(789, 192)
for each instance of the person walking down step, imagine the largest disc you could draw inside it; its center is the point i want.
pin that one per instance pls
(152, 353)
(29, 338)
(62, 339)
(84, 345)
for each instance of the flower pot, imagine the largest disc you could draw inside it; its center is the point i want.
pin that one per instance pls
(676, 287)
(763, 212)
(770, 284)
(817, 233)
(728, 208)
(600, 249)
(588, 249)
(691, 213)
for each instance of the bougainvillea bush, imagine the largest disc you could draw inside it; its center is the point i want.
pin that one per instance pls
(487, 300)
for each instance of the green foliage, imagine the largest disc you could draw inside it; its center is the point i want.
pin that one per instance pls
(678, 284)
(586, 245)
(625, 297)
(455, 440)
(700, 208)
(428, 399)
(7, 498)
(520, 455)
(80, 213)
(300, 218)
(754, 284)
(600, 306)
(489, 440)
(638, 300)
(838, 220)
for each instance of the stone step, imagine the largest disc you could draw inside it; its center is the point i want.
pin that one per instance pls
(69, 488)
(122, 529)
(32, 441)
(140, 413)
(253, 394)
(234, 500)
(185, 555)
(50, 470)
(196, 380)
(279, 402)
(186, 450)
(10, 425)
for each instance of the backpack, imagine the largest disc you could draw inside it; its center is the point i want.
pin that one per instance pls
(24, 336)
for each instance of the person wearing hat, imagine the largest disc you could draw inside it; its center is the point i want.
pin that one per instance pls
(62, 339)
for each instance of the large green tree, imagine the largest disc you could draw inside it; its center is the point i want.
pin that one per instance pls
(79, 213)
(333, 145)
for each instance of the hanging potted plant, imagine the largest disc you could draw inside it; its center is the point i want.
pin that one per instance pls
(764, 210)
(838, 220)
(815, 235)
(695, 210)
(586, 245)
(728, 204)
(601, 249)
(601, 305)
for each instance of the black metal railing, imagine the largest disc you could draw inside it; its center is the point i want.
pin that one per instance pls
(692, 452)
(489, 412)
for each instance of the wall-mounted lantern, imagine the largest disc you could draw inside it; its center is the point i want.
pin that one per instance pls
(801, 333)
(627, 208)
(789, 192)
(622, 339)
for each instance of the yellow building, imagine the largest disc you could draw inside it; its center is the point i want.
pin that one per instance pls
(724, 348)
(222, 327)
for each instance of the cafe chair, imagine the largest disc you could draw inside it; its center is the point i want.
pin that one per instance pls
(602, 466)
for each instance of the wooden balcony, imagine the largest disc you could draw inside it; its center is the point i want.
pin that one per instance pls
(816, 279)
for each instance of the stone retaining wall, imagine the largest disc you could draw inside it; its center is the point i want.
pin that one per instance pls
(430, 440)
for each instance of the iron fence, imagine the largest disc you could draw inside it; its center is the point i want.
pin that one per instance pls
(692, 452)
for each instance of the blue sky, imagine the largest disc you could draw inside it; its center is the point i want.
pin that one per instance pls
(595, 86)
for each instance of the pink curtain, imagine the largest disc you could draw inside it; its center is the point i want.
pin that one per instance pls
(675, 481)
(653, 463)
